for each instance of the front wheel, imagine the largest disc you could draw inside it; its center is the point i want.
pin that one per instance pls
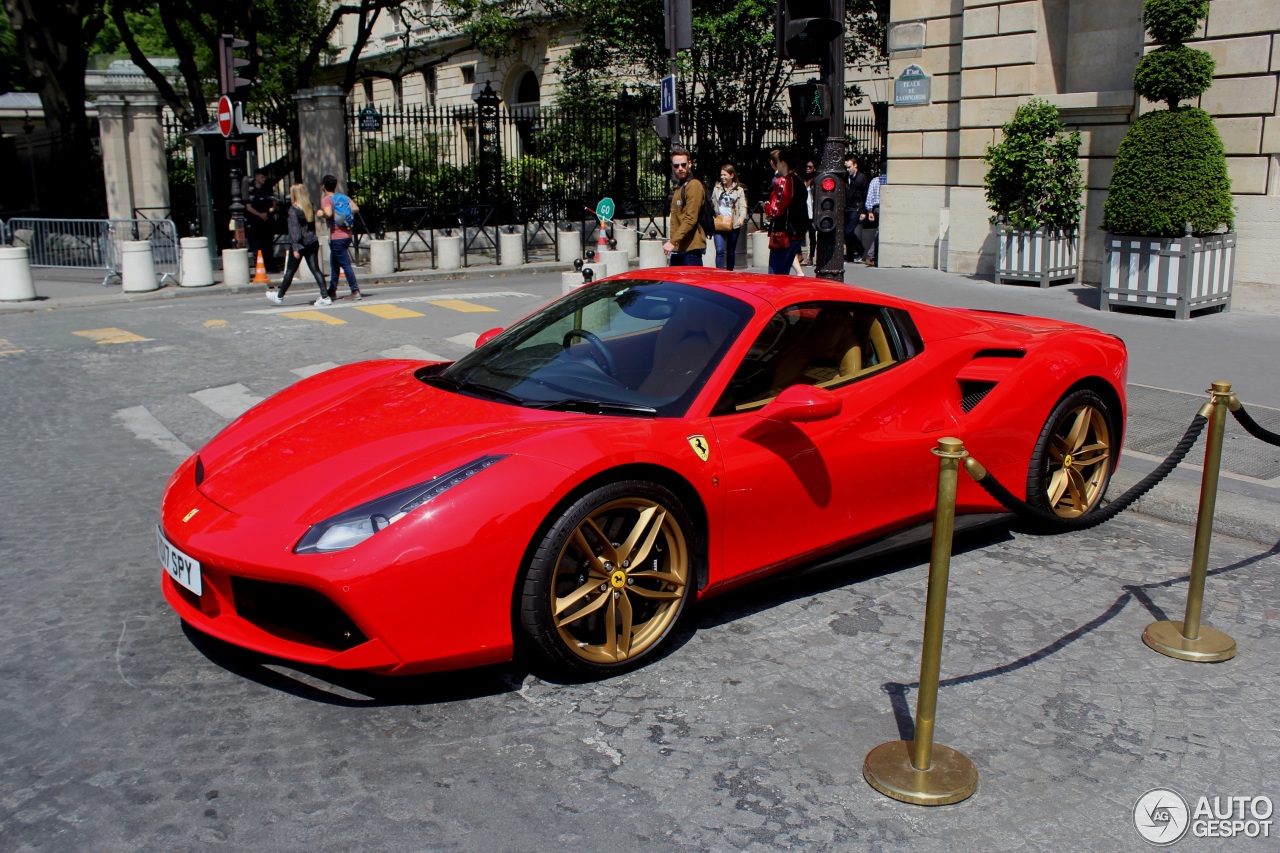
(609, 579)
(1074, 456)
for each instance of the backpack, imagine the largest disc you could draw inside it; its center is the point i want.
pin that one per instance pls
(341, 211)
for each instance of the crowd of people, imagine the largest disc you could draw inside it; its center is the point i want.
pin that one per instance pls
(788, 211)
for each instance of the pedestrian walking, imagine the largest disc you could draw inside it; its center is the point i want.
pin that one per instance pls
(730, 201)
(686, 244)
(788, 212)
(810, 172)
(855, 198)
(870, 236)
(338, 210)
(259, 208)
(304, 246)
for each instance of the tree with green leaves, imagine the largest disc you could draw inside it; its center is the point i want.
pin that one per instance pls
(1033, 174)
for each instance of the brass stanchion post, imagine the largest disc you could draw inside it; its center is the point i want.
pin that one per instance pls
(920, 771)
(1188, 639)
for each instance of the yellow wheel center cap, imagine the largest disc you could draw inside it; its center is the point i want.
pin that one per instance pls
(1067, 461)
(618, 579)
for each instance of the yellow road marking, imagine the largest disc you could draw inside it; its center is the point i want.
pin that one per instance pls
(214, 324)
(4, 343)
(318, 316)
(460, 305)
(388, 312)
(110, 336)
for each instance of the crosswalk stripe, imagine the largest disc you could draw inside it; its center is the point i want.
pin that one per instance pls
(144, 425)
(466, 339)
(313, 369)
(396, 300)
(230, 401)
(460, 305)
(110, 336)
(410, 351)
(389, 312)
(318, 316)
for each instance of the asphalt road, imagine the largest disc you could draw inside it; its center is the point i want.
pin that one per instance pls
(123, 731)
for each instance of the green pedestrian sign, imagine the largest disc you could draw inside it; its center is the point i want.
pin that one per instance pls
(604, 210)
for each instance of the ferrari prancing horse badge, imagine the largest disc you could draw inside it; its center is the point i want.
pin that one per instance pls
(699, 445)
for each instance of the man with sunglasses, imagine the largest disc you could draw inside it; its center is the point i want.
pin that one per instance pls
(686, 244)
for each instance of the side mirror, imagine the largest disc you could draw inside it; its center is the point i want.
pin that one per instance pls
(802, 403)
(487, 336)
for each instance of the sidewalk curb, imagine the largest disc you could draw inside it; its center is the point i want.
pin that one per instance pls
(1234, 515)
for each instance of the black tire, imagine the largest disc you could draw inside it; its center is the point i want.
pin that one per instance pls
(1074, 456)
(608, 611)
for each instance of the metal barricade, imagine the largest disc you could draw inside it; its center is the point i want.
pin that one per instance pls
(95, 243)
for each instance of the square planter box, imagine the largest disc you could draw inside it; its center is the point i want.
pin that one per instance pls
(1177, 274)
(1043, 256)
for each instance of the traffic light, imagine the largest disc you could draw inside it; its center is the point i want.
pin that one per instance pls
(810, 102)
(229, 64)
(235, 149)
(826, 202)
(806, 28)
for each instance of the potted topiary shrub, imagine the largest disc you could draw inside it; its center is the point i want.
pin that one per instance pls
(1034, 186)
(1169, 210)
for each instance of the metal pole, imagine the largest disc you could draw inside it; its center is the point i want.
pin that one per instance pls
(831, 243)
(919, 771)
(1188, 639)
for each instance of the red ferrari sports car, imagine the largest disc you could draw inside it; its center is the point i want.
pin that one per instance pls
(578, 479)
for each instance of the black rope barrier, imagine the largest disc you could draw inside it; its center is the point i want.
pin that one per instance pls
(1020, 507)
(1254, 428)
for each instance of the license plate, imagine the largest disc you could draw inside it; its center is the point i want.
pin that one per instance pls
(183, 569)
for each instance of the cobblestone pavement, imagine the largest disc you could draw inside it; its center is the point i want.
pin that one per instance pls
(124, 732)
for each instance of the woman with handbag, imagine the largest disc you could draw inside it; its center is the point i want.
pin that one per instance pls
(787, 209)
(729, 199)
(303, 245)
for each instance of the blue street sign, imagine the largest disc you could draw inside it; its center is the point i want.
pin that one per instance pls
(668, 99)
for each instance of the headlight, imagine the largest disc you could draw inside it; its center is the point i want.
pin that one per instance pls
(359, 523)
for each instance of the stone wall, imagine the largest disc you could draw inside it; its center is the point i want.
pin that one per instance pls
(988, 56)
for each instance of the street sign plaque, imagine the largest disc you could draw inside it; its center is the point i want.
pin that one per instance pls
(226, 116)
(668, 96)
(912, 88)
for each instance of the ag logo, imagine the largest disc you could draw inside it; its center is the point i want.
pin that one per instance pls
(1161, 816)
(699, 445)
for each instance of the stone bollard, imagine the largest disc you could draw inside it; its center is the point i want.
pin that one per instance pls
(569, 245)
(616, 260)
(651, 254)
(235, 267)
(449, 252)
(511, 248)
(16, 283)
(572, 280)
(137, 267)
(628, 239)
(197, 266)
(760, 249)
(382, 257)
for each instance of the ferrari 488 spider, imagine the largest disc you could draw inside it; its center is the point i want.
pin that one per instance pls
(579, 479)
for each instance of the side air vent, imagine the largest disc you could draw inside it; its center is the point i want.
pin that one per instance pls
(999, 353)
(971, 393)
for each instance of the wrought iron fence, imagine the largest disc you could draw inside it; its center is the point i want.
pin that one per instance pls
(420, 169)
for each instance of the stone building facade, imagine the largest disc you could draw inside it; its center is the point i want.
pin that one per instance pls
(985, 57)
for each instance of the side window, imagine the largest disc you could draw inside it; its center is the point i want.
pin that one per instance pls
(817, 343)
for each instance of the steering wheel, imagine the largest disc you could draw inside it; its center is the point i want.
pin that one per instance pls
(607, 364)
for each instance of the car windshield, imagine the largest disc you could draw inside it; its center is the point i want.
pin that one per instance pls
(633, 347)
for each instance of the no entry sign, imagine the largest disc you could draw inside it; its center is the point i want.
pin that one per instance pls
(226, 116)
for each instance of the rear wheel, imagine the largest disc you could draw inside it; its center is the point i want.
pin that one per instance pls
(1074, 456)
(609, 580)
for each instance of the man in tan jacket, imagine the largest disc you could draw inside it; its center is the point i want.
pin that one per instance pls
(686, 244)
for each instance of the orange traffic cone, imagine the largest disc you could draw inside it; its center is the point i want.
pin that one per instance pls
(260, 274)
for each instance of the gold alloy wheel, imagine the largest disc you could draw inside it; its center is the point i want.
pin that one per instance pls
(1079, 456)
(620, 580)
